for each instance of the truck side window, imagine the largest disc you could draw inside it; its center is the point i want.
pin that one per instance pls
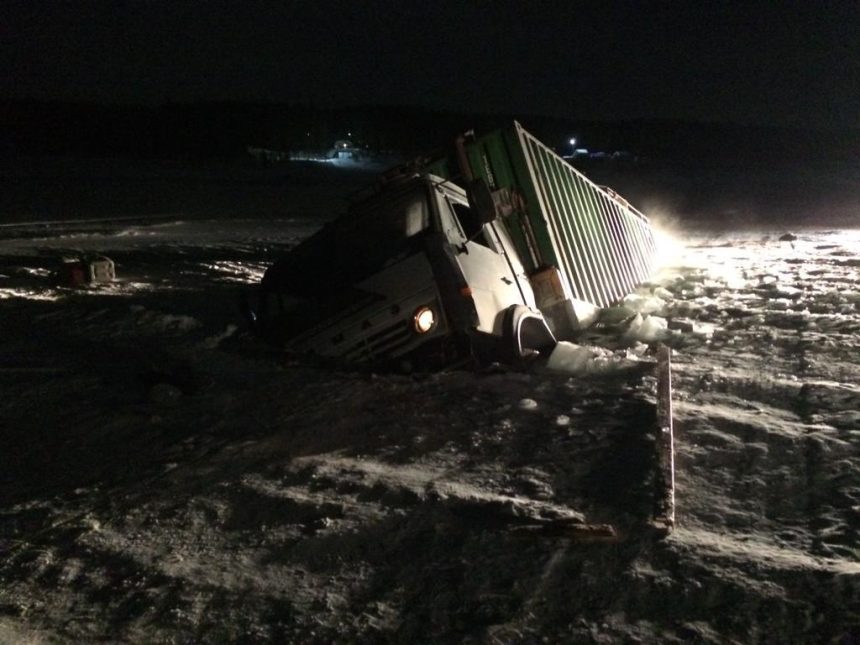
(471, 225)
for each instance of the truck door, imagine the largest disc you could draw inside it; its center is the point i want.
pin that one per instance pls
(496, 279)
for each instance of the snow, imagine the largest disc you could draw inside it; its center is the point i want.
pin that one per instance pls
(528, 404)
(576, 359)
(165, 479)
(648, 329)
(644, 304)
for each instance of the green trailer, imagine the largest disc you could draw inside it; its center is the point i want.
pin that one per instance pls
(581, 244)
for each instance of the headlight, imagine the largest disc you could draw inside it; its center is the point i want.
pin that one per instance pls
(424, 320)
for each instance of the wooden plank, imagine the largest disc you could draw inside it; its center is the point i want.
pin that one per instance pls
(665, 516)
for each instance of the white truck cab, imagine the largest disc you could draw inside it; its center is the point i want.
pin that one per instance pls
(412, 271)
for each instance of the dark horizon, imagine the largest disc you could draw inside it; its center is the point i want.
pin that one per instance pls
(226, 128)
(723, 171)
(310, 106)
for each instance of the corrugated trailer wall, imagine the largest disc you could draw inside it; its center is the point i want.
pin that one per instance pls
(602, 246)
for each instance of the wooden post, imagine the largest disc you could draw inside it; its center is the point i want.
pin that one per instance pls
(666, 438)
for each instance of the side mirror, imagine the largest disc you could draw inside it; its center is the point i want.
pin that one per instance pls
(481, 201)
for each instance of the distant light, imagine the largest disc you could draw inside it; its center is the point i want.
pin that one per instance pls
(572, 141)
(349, 134)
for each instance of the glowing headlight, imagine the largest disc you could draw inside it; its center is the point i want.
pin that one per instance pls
(424, 320)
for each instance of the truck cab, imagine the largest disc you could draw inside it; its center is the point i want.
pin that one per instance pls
(413, 271)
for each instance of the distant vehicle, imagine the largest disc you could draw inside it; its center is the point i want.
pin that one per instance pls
(83, 271)
(496, 252)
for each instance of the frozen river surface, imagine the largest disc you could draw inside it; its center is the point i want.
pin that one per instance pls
(164, 480)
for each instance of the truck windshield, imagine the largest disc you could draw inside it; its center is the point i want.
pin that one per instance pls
(386, 224)
(355, 246)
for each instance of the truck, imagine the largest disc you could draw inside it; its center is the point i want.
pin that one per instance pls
(494, 252)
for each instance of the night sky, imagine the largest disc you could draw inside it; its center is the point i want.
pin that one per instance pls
(768, 63)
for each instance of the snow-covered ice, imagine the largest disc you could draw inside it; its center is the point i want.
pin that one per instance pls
(166, 480)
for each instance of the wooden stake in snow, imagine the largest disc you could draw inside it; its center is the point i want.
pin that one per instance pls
(666, 441)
